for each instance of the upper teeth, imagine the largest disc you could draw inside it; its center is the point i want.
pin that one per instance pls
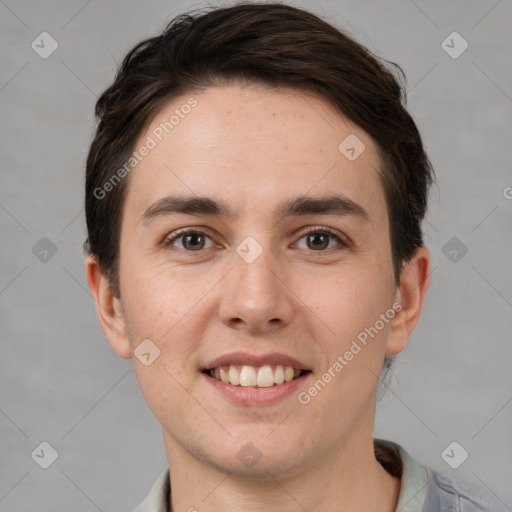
(264, 376)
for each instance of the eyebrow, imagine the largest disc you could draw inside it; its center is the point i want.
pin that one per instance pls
(338, 205)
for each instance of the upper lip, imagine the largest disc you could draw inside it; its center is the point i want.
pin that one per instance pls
(244, 358)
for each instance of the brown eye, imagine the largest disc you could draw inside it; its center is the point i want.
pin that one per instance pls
(188, 240)
(318, 241)
(193, 241)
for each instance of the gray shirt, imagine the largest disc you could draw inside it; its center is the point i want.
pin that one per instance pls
(422, 490)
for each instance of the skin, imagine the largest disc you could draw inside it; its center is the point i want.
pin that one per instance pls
(253, 147)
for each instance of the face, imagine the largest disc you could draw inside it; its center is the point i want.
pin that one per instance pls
(230, 263)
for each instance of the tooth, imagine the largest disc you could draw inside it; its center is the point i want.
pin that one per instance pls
(248, 376)
(234, 375)
(265, 377)
(224, 376)
(279, 374)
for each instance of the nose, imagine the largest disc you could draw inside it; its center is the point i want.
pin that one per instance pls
(256, 297)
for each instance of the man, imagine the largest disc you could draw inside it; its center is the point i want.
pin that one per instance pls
(254, 199)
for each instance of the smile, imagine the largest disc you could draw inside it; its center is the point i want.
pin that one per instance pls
(262, 377)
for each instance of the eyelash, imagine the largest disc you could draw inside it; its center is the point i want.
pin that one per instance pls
(313, 230)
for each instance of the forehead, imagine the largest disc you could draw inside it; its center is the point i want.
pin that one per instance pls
(253, 147)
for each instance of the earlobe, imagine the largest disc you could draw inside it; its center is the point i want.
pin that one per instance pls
(414, 281)
(108, 308)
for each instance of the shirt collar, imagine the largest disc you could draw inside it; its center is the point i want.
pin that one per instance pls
(413, 489)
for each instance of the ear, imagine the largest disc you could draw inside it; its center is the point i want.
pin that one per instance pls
(414, 281)
(108, 308)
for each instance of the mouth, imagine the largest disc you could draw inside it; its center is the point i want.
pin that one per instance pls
(263, 376)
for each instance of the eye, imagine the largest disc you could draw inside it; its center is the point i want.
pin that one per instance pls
(318, 239)
(189, 239)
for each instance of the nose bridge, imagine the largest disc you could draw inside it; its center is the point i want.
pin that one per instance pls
(256, 295)
(255, 271)
(258, 275)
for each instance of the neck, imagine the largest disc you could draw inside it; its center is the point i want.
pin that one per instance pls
(349, 479)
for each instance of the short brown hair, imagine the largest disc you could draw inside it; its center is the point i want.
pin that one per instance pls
(270, 43)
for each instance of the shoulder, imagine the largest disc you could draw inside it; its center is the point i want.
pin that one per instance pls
(426, 490)
(452, 494)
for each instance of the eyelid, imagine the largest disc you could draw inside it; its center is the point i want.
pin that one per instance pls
(176, 235)
(342, 241)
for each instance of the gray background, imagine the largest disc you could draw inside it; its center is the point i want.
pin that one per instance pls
(62, 383)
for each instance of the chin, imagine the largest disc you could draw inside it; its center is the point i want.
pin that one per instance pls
(257, 453)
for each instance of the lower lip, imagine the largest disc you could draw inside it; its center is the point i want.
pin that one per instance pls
(252, 395)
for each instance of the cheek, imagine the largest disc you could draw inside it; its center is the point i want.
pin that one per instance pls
(165, 391)
(349, 313)
(172, 309)
(153, 296)
(346, 302)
